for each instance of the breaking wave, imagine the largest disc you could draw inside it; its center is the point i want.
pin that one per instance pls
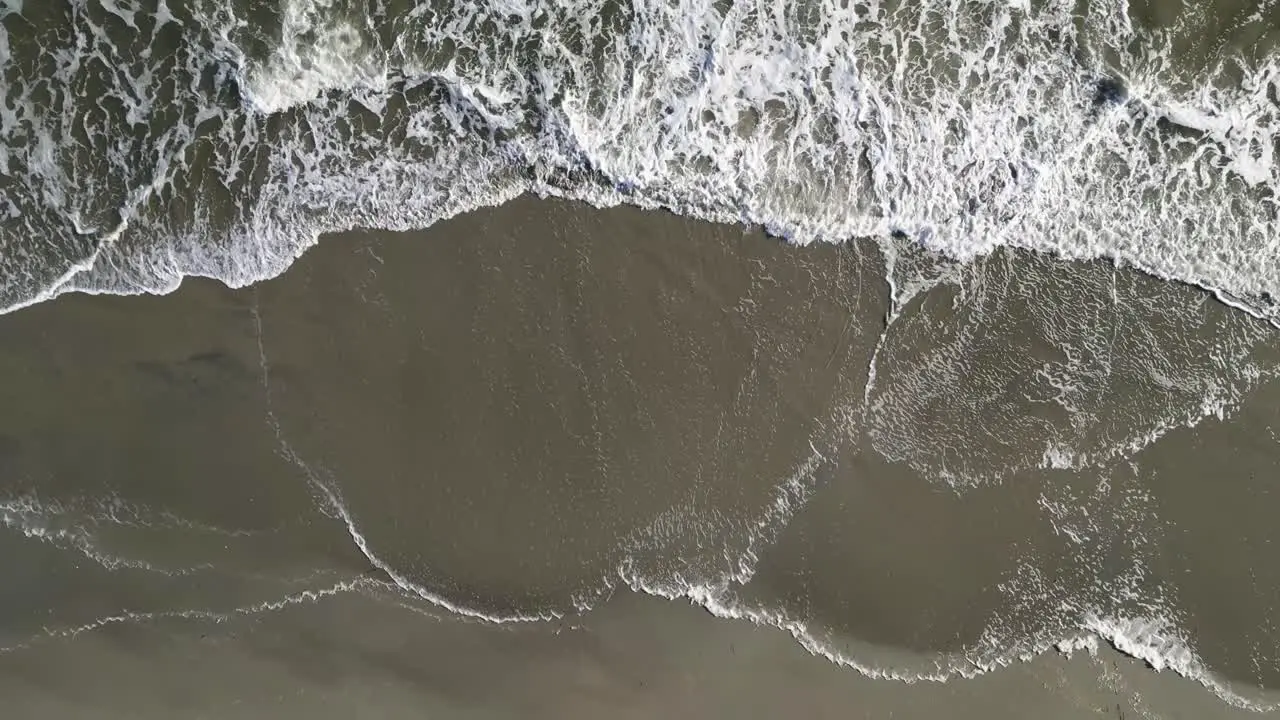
(144, 143)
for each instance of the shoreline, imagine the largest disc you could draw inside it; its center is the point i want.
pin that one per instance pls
(248, 366)
(599, 200)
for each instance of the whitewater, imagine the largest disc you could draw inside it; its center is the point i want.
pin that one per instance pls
(145, 141)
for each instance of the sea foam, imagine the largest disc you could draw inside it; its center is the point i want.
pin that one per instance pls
(963, 127)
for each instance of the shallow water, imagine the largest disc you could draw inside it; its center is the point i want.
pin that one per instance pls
(525, 413)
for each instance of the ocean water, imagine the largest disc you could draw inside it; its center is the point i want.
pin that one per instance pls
(1016, 395)
(148, 141)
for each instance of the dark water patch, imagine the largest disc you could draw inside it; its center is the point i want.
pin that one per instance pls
(1109, 92)
(204, 372)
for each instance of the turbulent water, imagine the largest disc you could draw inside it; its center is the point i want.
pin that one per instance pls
(145, 141)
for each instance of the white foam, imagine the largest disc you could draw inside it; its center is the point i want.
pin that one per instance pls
(819, 128)
(1159, 643)
(1154, 640)
(48, 522)
(128, 617)
(320, 49)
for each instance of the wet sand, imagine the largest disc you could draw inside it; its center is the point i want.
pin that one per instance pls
(527, 410)
(638, 657)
